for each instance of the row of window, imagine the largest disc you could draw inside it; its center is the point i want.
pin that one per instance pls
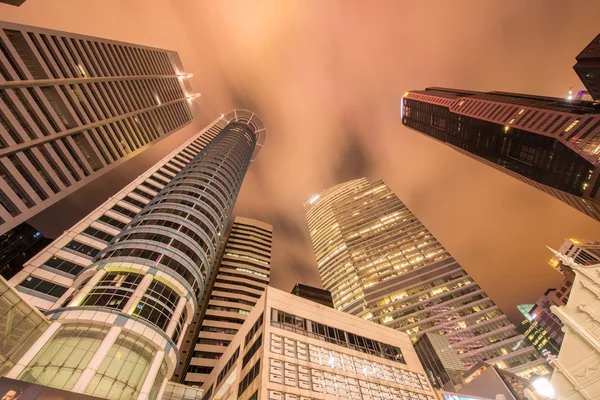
(42, 286)
(82, 248)
(254, 329)
(169, 241)
(252, 350)
(232, 300)
(98, 234)
(336, 336)
(249, 378)
(181, 229)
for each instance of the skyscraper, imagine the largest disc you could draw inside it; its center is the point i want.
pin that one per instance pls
(382, 264)
(549, 143)
(123, 284)
(72, 107)
(588, 67)
(238, 281)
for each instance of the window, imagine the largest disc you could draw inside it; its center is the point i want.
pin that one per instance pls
(197, 369)
(250, 376)
(208, 355)
(81, 248)
(254, 329)
(228, 366)
(111, 221)
(124, 211)
(64, 266)
(214, 342)
(252, 350)
(42, 286)
(98, 234)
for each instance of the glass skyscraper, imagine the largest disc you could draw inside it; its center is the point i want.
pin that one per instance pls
(382, 264)
(72, 107)
(549, 143)
(122, 286)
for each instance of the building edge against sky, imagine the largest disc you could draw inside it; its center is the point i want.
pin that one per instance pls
(381, 263)
(549, 143)
(128, 277)
(237, 282)
(72, 107)
(295, 348)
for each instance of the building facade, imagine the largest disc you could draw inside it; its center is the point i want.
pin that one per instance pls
(576, 374)
(320, 296)
(382, 264)
(17, 246)
(238, 281)
(122, 285)
(291, 348)
(549, 143)
(72, 107)
(588, 67)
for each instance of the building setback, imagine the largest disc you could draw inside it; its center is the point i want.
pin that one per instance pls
(129, 276)
(588, 67)
(320, 296)
(549, 143)
(382, 264)
(238, 281)
(293, 348)
(73, 107)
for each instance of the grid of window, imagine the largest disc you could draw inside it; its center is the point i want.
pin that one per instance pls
(158, 304)
(42, 286)
(336, 336)
(157, 102)
(113, 290)
(81, 248)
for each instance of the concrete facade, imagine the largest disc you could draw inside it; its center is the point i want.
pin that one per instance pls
(310, 351)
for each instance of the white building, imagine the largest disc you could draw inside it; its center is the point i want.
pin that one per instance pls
(577, 369)
(292, 348)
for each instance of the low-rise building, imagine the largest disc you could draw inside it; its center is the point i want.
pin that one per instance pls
(293, 348)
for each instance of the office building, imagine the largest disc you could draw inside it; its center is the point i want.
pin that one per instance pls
(73, 107)
(122, 285)
(382, 264)
(292, 348)
(576, 374)
(588, 67)
(549, 143)
(239, 280)
(317, 295)
(17, 246)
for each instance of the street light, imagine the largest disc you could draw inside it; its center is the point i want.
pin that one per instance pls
(542, 389)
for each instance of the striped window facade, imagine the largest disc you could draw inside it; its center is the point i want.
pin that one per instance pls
(72, 107)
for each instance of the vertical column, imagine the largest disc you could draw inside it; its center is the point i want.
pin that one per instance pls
(137, 295)
(92, 367)
(151, 376)
(32, 352)
(175, 317)
(86, 288)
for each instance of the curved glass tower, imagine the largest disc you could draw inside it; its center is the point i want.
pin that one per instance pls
(124, 314)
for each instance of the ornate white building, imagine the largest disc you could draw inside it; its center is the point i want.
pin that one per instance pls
(577, 370)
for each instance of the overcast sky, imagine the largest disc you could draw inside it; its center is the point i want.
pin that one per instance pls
(326, 78)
